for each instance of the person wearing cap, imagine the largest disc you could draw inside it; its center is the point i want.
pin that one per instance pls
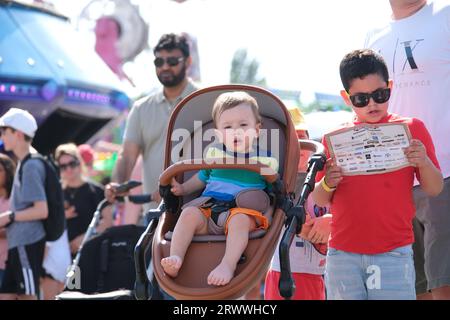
(25, 232)
(307, 264)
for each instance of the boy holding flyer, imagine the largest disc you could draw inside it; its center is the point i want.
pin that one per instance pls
(370, 247)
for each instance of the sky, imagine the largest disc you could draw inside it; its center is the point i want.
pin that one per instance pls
(298, 43)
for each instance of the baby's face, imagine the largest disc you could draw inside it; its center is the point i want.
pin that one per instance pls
(237, 128)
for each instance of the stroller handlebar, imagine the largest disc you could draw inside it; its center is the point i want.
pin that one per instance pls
(268, 173)
(139, 198)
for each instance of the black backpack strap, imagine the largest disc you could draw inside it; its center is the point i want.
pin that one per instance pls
(44, 160)
(103, 256)
(22, 163)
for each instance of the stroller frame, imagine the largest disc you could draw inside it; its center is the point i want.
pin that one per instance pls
(259, 249)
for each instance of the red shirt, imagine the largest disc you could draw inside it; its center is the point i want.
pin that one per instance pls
(373, 214)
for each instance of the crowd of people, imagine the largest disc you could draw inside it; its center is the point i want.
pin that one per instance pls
(401, 226)
(33, 266)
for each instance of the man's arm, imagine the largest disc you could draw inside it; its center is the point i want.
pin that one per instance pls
(124, 166)
(126, 161)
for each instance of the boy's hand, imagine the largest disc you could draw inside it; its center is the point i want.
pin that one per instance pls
(416, 154)
(177, 188)
(333, 175)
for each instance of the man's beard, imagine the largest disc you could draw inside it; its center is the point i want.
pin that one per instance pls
(174, 80)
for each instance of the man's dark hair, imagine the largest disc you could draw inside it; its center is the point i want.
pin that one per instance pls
(361, 63)
(171, 42)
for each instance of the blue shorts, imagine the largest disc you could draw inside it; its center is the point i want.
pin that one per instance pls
(385, 276)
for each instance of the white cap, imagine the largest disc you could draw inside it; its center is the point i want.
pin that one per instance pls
(20, 120)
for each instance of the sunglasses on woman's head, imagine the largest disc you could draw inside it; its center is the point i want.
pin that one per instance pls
(72, 164)
(171, 61)
(360, 100)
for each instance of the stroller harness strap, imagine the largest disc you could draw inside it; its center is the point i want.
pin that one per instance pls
(252, 202)
(263, 222)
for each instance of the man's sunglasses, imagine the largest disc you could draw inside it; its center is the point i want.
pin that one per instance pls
(72, 164)
(360, 100)
(171, 61)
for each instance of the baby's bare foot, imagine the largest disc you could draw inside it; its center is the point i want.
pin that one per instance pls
(171, 265)
(221, 275)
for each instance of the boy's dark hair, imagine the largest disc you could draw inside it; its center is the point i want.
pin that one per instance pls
(361, 63)
(171, 42)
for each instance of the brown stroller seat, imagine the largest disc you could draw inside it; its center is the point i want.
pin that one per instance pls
(187, 126)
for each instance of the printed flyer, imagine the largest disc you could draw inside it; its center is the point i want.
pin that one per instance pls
(370, 148)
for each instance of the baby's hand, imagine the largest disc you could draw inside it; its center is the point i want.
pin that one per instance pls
(177, 188)
(416, 154)
(333, 173)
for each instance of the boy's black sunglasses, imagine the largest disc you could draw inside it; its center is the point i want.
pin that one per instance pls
(171, 61)
(72, 164)
(360, 100)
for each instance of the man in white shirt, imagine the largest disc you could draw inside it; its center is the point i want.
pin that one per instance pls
(145, 131)
(416, 47)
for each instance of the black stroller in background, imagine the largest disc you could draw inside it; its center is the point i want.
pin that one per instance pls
(103, 268)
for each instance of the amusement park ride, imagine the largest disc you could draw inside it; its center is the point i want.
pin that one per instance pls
(49, 70)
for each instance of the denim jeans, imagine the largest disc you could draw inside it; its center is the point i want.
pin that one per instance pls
(385, 276)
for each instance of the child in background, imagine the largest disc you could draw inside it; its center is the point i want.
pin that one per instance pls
(25, 231)
(7, 169)
(307, 263)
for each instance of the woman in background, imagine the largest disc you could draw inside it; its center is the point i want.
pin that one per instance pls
(7, 169)
(81, 194)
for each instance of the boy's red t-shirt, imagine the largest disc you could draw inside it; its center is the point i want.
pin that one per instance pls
(373, 214)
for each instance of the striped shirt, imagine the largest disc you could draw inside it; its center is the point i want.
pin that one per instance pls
(224, 184)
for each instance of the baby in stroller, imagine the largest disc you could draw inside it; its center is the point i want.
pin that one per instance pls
(233, 200)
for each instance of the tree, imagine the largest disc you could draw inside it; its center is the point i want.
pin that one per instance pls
(245, 69)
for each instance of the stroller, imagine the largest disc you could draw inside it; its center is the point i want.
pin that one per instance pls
(103, 267)
(191, 118)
